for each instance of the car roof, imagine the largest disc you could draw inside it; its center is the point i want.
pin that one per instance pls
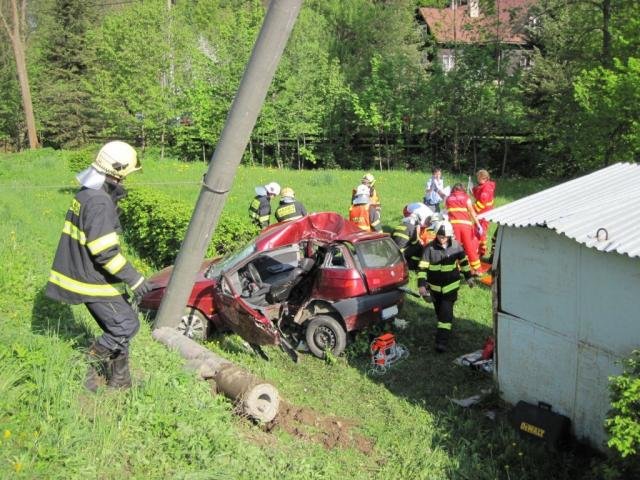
(324, 226)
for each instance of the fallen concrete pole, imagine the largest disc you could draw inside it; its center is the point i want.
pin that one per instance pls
(253, 397)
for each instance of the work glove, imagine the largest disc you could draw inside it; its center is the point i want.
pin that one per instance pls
(471, 282)
(141, 290)
(425, 294)
(479, 230)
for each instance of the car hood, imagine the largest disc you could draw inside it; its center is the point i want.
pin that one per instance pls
(161, 278)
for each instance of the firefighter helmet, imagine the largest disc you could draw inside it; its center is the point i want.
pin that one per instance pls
(272, 188)
(444, 228)
(116, 159)
(288, 192)
(368, 179)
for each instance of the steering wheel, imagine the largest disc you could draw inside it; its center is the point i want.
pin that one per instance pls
(254, 275)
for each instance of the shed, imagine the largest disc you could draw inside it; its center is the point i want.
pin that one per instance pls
(566, 294)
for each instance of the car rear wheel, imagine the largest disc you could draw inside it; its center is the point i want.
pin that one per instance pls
(194, 324)
(324, 333)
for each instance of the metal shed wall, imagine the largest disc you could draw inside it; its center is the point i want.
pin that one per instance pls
(567, 314)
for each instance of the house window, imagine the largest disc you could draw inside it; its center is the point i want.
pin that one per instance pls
(526, 61)
(448, 62)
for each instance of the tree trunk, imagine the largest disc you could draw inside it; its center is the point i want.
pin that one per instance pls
(504, 156)
(456, 160)
(606, 60)
(16, 35)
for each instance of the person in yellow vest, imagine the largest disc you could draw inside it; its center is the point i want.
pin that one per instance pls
(362, 213)
(289, 208)
(89, 266)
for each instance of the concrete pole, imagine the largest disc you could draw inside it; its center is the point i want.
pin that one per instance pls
(257, 77)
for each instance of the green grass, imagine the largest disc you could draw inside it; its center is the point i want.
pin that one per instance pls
(169, 426)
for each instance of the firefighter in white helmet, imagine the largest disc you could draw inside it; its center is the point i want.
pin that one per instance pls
(289, 209)
(89, 266)
(374, 200)
(443, 260)
(407, 235)
(362, 213)
(260, 206)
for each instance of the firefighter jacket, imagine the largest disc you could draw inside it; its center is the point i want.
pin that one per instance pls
(287, 212)
(440, 267)
(88, 264)
(407, 238)
(365, 217)
(457, 208)
(260, 211)
(484, 195)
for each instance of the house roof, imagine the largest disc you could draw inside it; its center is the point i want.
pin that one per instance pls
(449, 25)
(607, 199)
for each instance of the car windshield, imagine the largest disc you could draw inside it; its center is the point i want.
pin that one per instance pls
(379, 253)
(229, 260)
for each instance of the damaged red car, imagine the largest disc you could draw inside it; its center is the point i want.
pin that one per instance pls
(315, 279)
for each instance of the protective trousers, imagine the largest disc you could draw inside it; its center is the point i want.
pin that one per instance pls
(117, 320)
(443, 306)
(466, 236)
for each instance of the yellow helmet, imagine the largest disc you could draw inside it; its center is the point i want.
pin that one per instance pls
(369, 178)
(288, 192)
(117, 159)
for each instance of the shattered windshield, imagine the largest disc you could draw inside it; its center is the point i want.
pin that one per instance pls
(229, 260)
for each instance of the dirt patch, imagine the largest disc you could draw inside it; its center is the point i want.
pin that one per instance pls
(330, 432)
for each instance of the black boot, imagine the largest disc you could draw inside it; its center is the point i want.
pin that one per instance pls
(442, 339)
(120, 376)
(99, 358)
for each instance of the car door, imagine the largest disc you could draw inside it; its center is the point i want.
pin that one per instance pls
(240, 317)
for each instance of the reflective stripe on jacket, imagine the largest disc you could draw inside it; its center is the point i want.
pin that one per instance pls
(484, 196)
(457, 208)
(440, 267)
(365, 217)
(287, 212)
(260, 211)
(88, 264)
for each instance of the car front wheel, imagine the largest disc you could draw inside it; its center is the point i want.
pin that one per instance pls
(324, 333)
(194, 324)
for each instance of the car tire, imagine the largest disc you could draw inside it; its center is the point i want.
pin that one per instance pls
(194, 324)
(325, 333)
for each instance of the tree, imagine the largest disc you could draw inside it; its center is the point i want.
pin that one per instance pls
(65, 106)
(15, 26)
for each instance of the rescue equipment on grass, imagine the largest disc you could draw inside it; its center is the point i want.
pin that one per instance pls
(385, 352)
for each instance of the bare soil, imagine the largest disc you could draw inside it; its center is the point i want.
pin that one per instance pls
(330, 432)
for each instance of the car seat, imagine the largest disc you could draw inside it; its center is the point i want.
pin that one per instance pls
(280, 291)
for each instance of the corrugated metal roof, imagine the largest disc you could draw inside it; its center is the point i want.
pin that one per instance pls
(607, 199)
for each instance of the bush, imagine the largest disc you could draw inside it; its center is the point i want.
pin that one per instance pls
(80, 159)
(155, 225)
(623, 423)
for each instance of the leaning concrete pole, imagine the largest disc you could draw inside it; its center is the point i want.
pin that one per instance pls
(277, 26)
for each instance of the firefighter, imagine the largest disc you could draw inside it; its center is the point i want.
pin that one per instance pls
(465, 223)
(361, 213)
(439, 278)
(260, 207)
(408, 235)
(89, 266)
(369, 180)
(484, 194)
(289, 208)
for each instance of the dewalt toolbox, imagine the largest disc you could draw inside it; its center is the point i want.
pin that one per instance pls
(540, 423)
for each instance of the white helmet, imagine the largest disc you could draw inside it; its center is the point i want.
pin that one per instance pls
(116, 159)
(368, 178)
(362, 195)
(444, 227)
(272, 188)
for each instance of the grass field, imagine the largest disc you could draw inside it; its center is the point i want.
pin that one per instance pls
(399, 426)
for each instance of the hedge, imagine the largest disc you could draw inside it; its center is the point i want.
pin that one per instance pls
(155, 224)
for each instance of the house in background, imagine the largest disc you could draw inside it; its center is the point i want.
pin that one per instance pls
(464, 23)
(567, 294)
